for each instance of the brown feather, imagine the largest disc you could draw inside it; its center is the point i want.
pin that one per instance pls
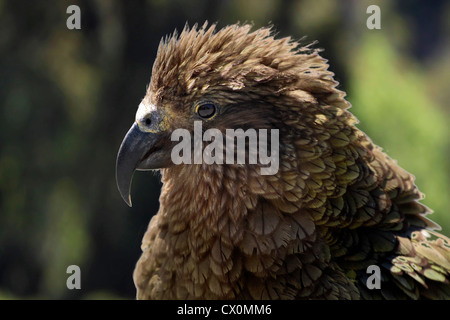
(337, 204)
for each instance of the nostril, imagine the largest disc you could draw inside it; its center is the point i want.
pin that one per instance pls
(148, 121)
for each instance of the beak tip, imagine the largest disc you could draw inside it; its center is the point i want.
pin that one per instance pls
(133, 148)
(127, 200)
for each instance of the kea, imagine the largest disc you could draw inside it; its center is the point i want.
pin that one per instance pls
(339, 219)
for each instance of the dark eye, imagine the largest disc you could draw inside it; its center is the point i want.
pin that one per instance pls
(206, 110)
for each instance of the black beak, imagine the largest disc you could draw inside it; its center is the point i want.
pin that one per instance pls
(138, 151)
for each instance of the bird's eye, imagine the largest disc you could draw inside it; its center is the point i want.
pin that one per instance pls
(206, 110)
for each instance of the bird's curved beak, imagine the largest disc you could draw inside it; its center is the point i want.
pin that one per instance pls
(139, 150)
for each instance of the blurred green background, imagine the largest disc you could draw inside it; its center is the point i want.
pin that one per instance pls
(67, 98)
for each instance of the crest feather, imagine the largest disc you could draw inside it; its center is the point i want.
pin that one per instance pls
(240, 59)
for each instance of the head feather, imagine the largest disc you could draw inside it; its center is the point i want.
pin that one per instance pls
(238, 59)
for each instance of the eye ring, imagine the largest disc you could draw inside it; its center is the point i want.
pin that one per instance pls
(206, 110)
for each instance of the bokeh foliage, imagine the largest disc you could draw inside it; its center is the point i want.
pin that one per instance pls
(68, 97)
(402, 118)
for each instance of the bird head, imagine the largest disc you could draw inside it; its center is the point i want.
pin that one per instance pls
(227, 79)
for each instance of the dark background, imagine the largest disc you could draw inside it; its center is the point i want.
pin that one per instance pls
(67, 98)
